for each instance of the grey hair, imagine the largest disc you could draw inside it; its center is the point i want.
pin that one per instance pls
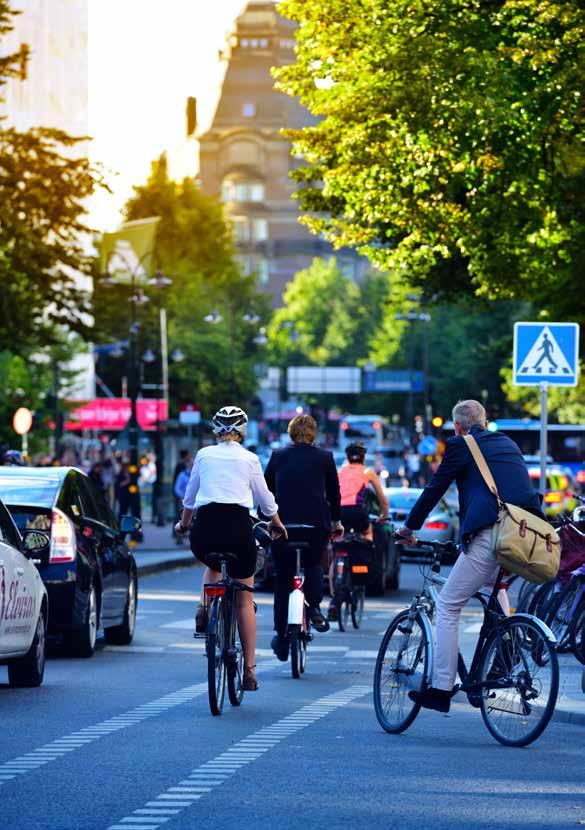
(468, 413)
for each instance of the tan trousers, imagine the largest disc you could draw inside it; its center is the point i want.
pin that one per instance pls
(476, 568)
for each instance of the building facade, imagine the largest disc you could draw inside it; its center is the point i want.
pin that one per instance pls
(245, 160)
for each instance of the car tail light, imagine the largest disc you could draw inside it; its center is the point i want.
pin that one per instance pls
(436, 525)
(344, 426)
(581, 476)
(553, 498)
(63, 541)
(215, 590)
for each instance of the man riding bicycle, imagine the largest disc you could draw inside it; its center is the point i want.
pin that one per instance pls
(478, 512)
(303, 478)
(356, 481)
(226, 482)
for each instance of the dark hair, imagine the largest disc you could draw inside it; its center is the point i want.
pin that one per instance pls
(356, 452)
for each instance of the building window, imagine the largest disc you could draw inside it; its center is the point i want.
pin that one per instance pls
(259, 230)
(244, 42)
(263, 43)
(249, 109)
(254, 43)
(241, 227)
(242, 191)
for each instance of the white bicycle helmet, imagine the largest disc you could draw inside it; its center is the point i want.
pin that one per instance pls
(230, 419)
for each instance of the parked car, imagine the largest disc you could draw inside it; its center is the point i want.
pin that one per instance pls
(88, 569)
(442, 523)
(23, 604)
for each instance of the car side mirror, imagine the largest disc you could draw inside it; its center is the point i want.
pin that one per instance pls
(130, 524)
(35, 542)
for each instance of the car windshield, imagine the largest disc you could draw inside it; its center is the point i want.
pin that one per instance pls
(28, 490)
(403, 499)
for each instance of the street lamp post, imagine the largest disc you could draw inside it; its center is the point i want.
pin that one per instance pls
(411, 317)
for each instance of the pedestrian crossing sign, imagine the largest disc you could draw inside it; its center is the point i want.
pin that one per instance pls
(546, 352)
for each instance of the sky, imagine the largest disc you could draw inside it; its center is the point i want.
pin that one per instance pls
(145, 58)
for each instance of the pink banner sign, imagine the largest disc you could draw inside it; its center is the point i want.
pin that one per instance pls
(114, 413)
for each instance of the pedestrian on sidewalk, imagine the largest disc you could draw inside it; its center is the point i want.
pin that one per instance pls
(476, 567)
(180, 488)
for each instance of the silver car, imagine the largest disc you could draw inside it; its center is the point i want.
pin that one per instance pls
(441, 525)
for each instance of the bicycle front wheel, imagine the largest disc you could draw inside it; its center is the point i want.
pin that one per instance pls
(215, 657)
(402, 665)
(357, 606)
(520, 666)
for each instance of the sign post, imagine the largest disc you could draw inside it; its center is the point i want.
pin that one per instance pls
(545, 354)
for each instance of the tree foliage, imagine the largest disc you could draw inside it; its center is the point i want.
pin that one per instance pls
(193, 248)
(450, 146)
(43, 189)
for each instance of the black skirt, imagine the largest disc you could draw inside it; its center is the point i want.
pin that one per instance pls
(225, 528)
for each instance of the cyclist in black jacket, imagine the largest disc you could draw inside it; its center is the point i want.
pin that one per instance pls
(304, 480)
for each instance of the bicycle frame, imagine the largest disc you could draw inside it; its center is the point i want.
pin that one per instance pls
(296, 600)
(226, 589)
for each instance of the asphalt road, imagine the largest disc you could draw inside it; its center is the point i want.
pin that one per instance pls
(126, 740)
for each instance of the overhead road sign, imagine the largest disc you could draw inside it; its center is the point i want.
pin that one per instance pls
(321, 380)
(398, 380)
(546, 352)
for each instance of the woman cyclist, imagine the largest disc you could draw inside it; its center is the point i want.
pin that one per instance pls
(226, 482)
(355, 479)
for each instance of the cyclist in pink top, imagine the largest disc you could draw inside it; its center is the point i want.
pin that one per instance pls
(354, 481)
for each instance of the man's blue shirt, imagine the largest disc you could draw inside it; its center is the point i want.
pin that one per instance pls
(478, 507)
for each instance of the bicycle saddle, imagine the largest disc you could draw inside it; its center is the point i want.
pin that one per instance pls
(216, 558)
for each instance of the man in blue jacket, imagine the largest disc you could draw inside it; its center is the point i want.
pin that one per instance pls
(478, 512)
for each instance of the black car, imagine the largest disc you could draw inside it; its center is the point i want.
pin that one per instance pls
(88, 569)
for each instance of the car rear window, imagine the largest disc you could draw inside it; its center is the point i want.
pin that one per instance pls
(27, 519)
(29, 491)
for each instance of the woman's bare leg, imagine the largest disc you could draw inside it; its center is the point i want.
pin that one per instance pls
(247, 623)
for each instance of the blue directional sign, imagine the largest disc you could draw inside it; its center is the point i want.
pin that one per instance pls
(398, 380)
(546, 352)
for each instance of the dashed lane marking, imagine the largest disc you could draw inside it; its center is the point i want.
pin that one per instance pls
(204, 779)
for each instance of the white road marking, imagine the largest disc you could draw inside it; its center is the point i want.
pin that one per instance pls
(361, 655)
(242, 753)
(60, 746)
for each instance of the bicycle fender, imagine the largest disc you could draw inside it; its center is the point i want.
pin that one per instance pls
(538, 622)
(296, 603)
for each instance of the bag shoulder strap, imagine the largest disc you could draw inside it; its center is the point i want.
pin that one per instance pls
(482, 464)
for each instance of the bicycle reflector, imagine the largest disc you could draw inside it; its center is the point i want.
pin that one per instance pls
(359, 569)
(297, 583)
(215, 590)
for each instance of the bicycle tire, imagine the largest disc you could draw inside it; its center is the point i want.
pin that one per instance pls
(559, 608)
(357, 607)
(295, 652)
(215, 658)
(419, 658)
(507, 710)
(525, 595)
(235, 674)
(578, 633)
(344, 610)
(540, 599)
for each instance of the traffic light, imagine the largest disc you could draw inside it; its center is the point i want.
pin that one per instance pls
(419, 424)
(438, 422)
(492, 426)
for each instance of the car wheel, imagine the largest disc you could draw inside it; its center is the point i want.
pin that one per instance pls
(122, 635)
(28, 671)
(82, 642)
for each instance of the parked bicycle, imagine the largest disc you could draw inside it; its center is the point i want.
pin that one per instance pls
(225, 657)
(513, 677)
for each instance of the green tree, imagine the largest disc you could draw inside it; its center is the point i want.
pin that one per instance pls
(194, 248)
(565, 404)
(450, 146)
(42, 193)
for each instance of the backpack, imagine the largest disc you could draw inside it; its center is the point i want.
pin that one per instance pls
(524, 544)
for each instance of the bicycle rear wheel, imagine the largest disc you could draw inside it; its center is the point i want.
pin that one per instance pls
(357, 606)
(215, 657)
(402, 665)
(578, 633)
(235, 674)
(522, 664)
(298, 652)
(344, 609)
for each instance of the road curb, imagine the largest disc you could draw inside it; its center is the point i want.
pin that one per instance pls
(167, 565)
(568, 716)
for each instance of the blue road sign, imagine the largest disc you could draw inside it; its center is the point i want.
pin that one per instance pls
(546, 352)
(428, 445)
(398, 380)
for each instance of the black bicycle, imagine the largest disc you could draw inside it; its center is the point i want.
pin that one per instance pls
(350, 573)
(225, 657)
(514, 674)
